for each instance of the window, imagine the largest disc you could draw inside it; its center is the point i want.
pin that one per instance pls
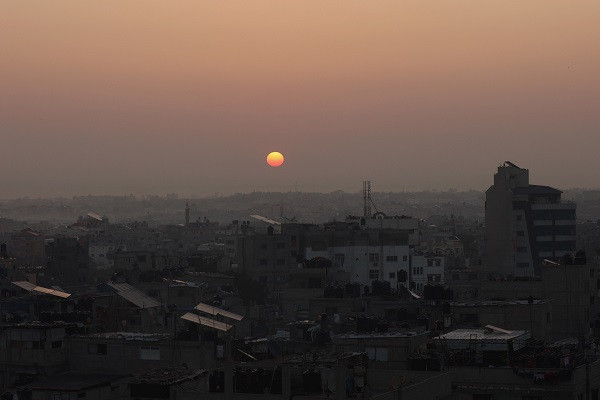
(404, 258)
(521, 249)
(281, 245)
(391, 258)
(339, 259)
(522, 265)
(262, 262)
(57, 344)
(548, 317)
(314, 283)
(430, 263)
(149, 353)
(141, 258)
(438, 263)
(373, 274)
(81, 395)
(519, 217)
(392, 275)
(521, 233)
(97, 348)
(374, 258)
(281, 261)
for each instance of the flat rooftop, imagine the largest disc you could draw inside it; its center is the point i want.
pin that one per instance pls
(379, 335)
(128, 336)
(481, 334)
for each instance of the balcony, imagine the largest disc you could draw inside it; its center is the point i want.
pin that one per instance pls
(563, 222)
(565, 238)
(543, 238)
(555, 206)
(542, 222)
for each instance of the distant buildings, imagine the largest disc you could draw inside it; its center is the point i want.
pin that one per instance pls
(525, 224)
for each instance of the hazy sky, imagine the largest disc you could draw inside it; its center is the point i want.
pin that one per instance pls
(119, 97)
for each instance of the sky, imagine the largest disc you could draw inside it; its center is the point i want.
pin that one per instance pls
(153, 97)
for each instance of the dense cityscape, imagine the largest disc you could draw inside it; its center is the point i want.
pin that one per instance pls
(299, 200)
(430, 295)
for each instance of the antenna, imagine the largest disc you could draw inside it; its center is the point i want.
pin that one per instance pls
(367, 199)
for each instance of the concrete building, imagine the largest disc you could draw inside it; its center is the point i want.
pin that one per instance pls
(28, 248)
(525, 224)
(366, 255)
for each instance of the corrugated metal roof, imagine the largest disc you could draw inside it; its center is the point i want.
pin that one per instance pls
(30, 287)
(481, 334)
(212, 310)
(265, 219)
(133, 295)
(211, 323)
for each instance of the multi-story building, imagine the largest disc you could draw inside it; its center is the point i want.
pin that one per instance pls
(365, 254)
(28, 248)
(525, 224)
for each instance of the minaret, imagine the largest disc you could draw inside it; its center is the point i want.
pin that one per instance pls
(187, 213)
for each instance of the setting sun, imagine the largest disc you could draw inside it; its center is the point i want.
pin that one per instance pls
(275, 159)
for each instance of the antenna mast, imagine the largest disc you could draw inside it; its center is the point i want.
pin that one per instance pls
(367, 199)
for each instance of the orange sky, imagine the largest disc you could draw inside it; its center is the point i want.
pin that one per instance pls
(118, 97)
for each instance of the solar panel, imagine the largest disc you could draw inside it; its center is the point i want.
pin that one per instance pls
(496, 329)
(265, 219)
(212, 310)
(30, 287)
(133, 295)
(211, 323)
(25, 285)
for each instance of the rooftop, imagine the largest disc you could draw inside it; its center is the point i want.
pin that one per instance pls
(148, 337)
(379, 335)
(482, 334)
(74, 382)
(536, 189)
(169, 376)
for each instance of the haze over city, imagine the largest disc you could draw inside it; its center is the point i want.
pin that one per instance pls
(119, 97)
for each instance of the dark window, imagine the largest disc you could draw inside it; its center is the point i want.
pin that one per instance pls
(548, 317)
(392, 275)
(141, 258)
(281, 261)
(281, 245)
(519, 217)
(520, 233)
(97, 348)
(404, 258)
(522, 249)
(314, 283)
(57, 344)
(262, 262)
(391, 258)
